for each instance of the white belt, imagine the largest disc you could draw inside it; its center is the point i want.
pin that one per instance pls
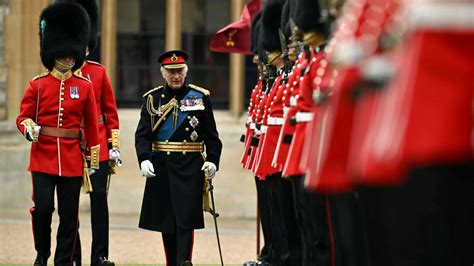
(262, 130)
(275, 121)
(442, 15)
(252, 126)
(303, 117)
(293, 100)
(249, 120)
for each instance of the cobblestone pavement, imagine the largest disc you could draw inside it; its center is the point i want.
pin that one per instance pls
(131, 245)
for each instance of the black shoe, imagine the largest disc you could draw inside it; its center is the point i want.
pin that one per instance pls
(41, 260)
(105, 261)
(186, 263)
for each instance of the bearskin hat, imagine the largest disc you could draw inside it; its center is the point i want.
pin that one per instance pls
(93, 11)
(255, 32)
(307, 16)
(271, 18)
(64, 31)
(285, 19)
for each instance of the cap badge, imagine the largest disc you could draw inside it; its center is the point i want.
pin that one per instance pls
(174, 58)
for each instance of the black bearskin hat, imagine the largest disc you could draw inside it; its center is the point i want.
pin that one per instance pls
(64, 31)
(307, 16)
(271, 18)
(255, 32)
(93, 11)
(285, 19)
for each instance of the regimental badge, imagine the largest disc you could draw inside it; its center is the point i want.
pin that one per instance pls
(194, 136)
(194, 122)
(74, 92)
(191, 104)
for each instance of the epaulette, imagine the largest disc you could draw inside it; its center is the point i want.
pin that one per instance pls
(94, 62)
(152, 90)
(44, 74)
(79, 75)
(202, 90)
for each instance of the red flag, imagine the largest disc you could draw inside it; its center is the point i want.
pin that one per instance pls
(235, 37)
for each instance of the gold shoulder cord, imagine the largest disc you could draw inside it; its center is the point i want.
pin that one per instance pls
(162, 112)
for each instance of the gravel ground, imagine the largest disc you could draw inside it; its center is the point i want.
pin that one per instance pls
(131, 245)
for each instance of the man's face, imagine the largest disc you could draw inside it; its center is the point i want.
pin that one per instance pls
(174, 77)
(66, 61)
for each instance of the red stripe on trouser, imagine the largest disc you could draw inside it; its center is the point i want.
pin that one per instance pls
(166, 254)
(32, 209)
(192, 246)
(331, 236)
(77, 232)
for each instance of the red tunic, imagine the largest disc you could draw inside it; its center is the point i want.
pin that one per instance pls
(105, 101)
(281, 151)
(48, 102)
(269, 139)
(303, 105)
(249, 131)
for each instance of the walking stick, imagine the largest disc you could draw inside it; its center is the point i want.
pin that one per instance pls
(214, 214)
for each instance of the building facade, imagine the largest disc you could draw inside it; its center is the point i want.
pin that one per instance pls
(132, 35)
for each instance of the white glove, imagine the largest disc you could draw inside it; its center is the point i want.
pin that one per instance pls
(91, 171)
(32, 133)
(114, 155)
(147, 169)
(209, 169)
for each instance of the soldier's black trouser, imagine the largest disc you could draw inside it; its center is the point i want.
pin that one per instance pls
(68, 192)
(303, 217)
(99, 215)
(426, 221)
(285, 227)
(267, 252)
(178, 246)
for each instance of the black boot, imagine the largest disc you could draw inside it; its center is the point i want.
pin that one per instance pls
(105, 261)
(41, 260)
(186, 263)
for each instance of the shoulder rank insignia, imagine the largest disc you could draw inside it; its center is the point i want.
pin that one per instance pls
(79, 75)
(152, 90)
(94, 62)
(202, 90)
(44, 74)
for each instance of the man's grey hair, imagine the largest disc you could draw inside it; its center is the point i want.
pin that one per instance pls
(162, 69)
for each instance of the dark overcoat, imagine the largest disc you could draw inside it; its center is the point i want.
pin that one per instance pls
(174, 196)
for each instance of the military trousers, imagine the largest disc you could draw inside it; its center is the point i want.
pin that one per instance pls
(68, 192)
(428, 220)
(178, 246)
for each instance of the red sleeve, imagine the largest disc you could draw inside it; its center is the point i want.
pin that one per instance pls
(27, 106)
(90, 120)
(109, 107)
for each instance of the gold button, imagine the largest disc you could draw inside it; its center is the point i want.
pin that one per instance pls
(60, 125)
(187, 129)
(62, 93)
(60, 119)
(184, 141)
(184, 153)
(62, 109)
(62, 99)
(162, 96)
(189, 117)
(168, 153)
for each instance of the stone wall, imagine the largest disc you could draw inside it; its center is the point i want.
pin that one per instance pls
(4, 8)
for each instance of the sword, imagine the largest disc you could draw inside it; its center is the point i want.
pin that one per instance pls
(214, 214)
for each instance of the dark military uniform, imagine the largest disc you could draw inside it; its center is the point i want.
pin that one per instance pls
(174, 197)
